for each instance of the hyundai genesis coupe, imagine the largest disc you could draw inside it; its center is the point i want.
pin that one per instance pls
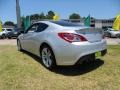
(62, 43)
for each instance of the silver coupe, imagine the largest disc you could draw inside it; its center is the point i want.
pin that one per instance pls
(62, 43)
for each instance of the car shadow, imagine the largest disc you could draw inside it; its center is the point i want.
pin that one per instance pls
(80, 69)
(75, 70)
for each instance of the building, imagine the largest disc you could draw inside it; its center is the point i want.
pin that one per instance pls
(8, 26)
(97, 23)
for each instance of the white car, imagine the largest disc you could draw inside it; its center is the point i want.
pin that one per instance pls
(62, 43)
(4, 32)
(112, 33)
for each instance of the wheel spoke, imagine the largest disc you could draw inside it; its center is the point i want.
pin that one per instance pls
(49, 53)
(46, 57)
(49, 61)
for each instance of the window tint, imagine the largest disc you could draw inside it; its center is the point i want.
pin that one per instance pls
(9, 29)
(32, 28)
(65, 23)
(37, 27)
(41, 27)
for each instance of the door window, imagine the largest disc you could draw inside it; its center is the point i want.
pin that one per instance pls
(41, 27)
(32, 28)
(37, 27)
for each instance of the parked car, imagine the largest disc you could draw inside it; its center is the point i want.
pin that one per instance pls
(4, 32)
(62, 43)
(14, 33)
(111, 33)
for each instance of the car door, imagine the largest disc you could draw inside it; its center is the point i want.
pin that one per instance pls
(37, 37)
(27, 37)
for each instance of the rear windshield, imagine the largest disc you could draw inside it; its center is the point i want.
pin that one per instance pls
(65, 23)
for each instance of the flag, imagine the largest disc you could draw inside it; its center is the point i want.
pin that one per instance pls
(56, 17)
(26, 22)
(116, 24)
(87, 21)
(0, 26)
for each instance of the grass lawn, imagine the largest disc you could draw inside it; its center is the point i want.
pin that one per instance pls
(23, 71)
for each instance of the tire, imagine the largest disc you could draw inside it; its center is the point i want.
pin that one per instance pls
(109, 35)
(118, 35)
(19, 45)
(9, 37)
(47, 57)
(3, 36)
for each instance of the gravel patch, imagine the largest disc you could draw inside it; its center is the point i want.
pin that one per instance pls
(113, 41)
(8, 42)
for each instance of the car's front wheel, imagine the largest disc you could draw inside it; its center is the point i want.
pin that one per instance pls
(109, 35)
(48, 58)
(3, 36)
(9, 37)
(118, 35)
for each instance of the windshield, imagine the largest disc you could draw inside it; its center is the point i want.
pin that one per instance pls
(9, 29)
(16, 30)
(65, 23)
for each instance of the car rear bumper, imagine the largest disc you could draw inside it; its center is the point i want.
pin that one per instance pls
(71, 53)
(90, 57)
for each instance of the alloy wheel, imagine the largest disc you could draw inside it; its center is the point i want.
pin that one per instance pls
(47, 57)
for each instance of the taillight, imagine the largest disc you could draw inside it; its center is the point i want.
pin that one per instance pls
(70, 37)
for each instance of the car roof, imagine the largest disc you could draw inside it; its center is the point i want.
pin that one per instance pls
(60, 23)
(49, 23)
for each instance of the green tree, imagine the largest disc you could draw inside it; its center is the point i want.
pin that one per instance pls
(50, 15)
(9, 23)
(74, 16)
(42, 16)
(34, 17)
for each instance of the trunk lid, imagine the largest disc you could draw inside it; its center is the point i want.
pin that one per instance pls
(91, 34)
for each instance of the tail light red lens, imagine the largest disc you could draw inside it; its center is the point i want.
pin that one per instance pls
(70, 37)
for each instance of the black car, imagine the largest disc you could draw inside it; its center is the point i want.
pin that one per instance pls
(14, 34)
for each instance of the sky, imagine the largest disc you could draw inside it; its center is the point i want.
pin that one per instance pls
(100, 9)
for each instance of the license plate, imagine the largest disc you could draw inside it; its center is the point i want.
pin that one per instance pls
(98, 54)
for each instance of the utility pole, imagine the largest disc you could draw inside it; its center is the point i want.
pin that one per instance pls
(18, 14)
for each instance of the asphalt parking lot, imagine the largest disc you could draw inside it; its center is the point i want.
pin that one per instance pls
(110, 41)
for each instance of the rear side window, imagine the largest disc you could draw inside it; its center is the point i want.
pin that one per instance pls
(41, 27)
(65, 23)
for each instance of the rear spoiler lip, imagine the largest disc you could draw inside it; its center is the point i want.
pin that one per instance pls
(89, 31)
